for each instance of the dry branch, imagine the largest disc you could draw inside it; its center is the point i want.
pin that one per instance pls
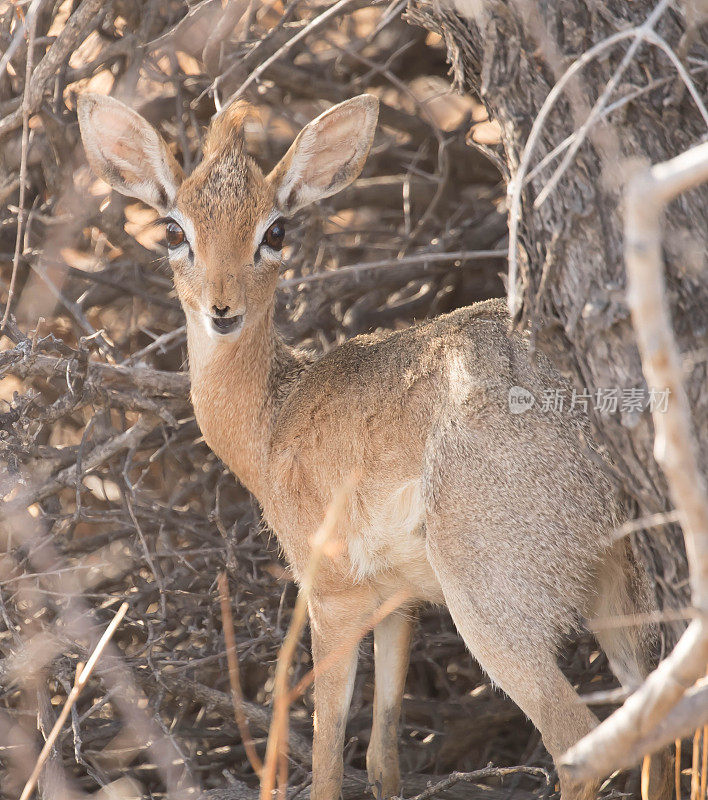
(82, 677)
(339, 8)
(616, 742)
(69, 476)
(234, 674)
(75, 30)
(25, 364)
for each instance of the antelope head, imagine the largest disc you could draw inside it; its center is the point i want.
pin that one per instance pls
(225, 223)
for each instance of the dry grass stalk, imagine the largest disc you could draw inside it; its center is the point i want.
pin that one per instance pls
(677, 769)
(695, 765)
(704, 762)
(346, 647)
(234, 674)
(644, 785)
(277, 748)
(83, 673)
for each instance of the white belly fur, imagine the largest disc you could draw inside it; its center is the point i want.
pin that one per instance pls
(388, 546)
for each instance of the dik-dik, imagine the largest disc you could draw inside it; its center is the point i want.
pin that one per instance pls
(505, 518)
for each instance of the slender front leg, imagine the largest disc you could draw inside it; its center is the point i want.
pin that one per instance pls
(392, 641)
(336, 623)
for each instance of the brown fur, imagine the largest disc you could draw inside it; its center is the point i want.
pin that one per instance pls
(227, 129)
(507, 519)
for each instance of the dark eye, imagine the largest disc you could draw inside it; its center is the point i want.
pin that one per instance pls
(174, 234)
(275, 235)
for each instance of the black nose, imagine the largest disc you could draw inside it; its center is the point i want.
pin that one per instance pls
(220, 312)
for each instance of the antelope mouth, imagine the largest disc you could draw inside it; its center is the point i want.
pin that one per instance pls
(227, 325)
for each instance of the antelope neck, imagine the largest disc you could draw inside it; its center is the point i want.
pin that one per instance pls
(232, 393)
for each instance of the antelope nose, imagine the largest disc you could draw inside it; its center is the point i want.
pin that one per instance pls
(220, 312)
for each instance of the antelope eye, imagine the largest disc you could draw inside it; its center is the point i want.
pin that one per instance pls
(275, 235)
(174, 234)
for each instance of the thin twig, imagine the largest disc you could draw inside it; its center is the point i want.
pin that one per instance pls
(342, 7)
(344, 648)
(478, 775)
(392, 263)
(561, 147)
(695, 762)
(646, 772)
(82, 677)
(157, 344)
(29, 19)
(641, 33)
(677, 769)
(517, 183)
(234, 675)
(643, 523)
(32, 22)
(276, 750)
(74, 31)
(704, 762)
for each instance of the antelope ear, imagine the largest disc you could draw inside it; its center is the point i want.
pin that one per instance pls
(127, 152)
(327, 155)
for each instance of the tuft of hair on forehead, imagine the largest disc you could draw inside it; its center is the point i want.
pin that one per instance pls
(226, 131)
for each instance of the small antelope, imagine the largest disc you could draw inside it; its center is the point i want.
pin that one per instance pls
(505, 518)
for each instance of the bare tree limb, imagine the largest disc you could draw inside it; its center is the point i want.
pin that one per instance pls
(74, 31)
(67, 477)
(150, 381)
(619, 740)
